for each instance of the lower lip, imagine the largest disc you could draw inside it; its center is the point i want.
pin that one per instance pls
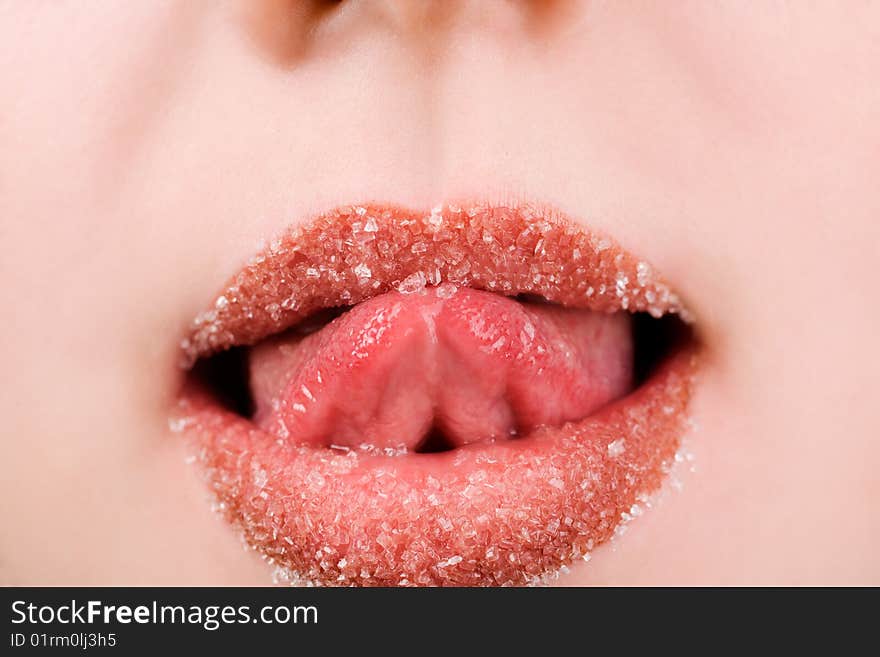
(506, 512)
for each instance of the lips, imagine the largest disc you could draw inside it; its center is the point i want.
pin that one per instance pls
(476, 414)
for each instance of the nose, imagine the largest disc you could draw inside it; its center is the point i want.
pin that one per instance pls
(415, 16)
(289, 29)
(426, 16)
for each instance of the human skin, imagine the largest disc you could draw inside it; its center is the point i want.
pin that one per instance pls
(148, 148)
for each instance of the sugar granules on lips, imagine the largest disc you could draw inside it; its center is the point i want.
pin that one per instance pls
(489, 516)
(352, 253)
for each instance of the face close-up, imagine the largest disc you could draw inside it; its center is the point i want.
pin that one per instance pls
(408, 293)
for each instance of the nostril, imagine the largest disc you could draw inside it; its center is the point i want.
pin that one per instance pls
(434, 442)
(283, 30)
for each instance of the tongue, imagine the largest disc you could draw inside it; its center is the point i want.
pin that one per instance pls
(398, 370)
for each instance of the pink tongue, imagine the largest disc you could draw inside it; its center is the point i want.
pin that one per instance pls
(472, 365)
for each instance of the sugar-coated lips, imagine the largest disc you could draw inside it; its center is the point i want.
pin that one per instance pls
(443, 429)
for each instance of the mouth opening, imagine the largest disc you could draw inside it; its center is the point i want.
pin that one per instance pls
(225, 375)
(434, 442)
(655, 341)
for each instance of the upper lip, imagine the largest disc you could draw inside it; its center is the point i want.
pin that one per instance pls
(549, 256)
(487, 514)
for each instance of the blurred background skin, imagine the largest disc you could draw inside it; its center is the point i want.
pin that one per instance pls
(146, 149)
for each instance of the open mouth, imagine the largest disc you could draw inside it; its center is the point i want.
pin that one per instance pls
(466, 396)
